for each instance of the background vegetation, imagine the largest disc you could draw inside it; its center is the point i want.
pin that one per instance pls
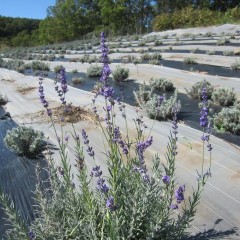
(69, 20)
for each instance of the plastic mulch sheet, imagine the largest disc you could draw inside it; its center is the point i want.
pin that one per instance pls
(17, 176)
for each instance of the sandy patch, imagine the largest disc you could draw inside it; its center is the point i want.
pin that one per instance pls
(62, 115)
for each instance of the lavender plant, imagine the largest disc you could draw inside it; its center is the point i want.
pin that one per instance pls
(131, 201)
(228, 120)
(25, 141)
(120, 74)
(149, 102)
(94, 71)
(196, 89)
(161, 84)
(3, 99)
(224, 96)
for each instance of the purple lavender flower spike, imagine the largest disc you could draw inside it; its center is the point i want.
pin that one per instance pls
(179, 194)
(42, 97)
(102, 186)
(116, 135)
(60, 170)
(204, 110)
(63, 79)
(209, 147)
(175, 111)
(160, 99)
(125, 150)
(109, 108)
(174, 206)
(166, 179)
(91, 153)
(142, 169)
(204, 123)
(86, 141)
(84, 134)
(145, 177)
(31, 235)
(141, 147)
(49, 112)
(106, 90)
(123, 145)
(110, 204)
(96, 171)
(66, 138)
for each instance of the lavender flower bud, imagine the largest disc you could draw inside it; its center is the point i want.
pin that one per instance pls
(174, 206)
(110, 204)
(166, 179)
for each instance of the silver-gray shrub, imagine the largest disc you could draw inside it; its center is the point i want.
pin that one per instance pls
(165, 110)
(25, 141)
(228, 53)
(211, 52)
(143, 95)
(222, 41)
(41, 66)
(154, 62)
(224, 96)
(145, 56)
(195, 90)
(236, 65)
(58, 68)
(120, 74)
(92, 59)
(11, 64)
(228, 120)
(141, 43)
(161, 84)
(3, 99)
(189, 60)
(158, 42)
(154, 56)
(77, 80)
(237, 104)
(149, 102)
(94, 71)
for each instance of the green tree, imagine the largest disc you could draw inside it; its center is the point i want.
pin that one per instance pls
(126, 16)
(68, 20)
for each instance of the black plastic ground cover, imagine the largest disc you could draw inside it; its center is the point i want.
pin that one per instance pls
(18, 177)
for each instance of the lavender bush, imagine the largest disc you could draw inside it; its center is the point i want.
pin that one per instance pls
(25, 141)
(150, 102)
(195, 90)
(224, 96)
(3, 99)
(94, 71)
(161, 84)
(120, 74)
(131, 201)
(228, 120)
(41, 66)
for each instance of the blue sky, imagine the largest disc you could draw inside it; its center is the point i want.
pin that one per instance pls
(25, 8)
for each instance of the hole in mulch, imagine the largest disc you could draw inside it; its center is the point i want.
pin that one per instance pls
(68, 114)
(7, 80)
(25, 89)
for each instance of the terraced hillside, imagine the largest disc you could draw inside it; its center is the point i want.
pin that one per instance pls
(184, 57)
